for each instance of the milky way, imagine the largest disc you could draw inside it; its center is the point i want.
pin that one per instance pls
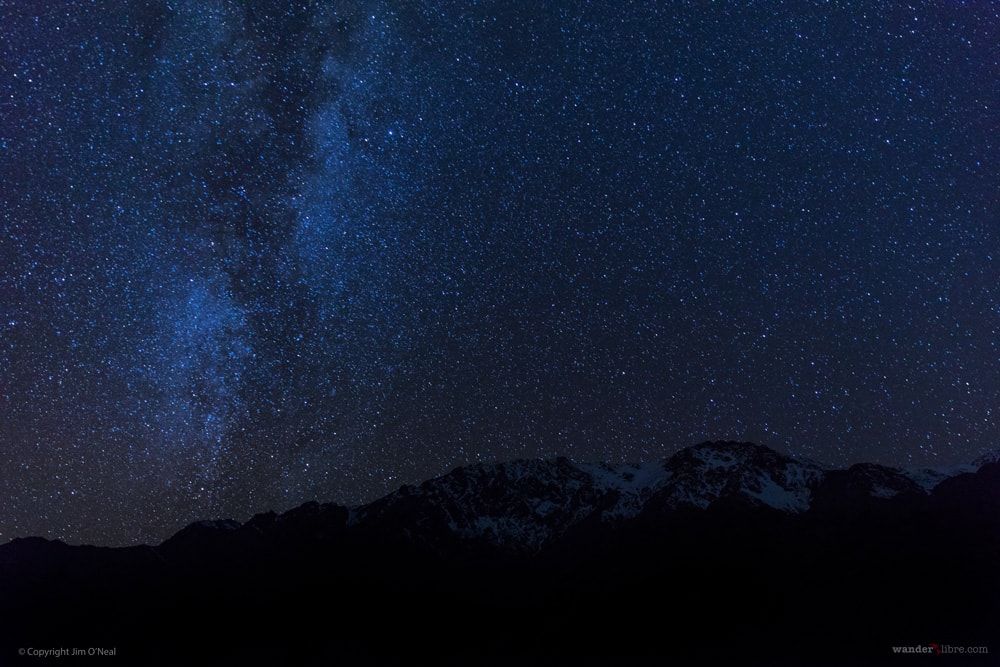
(257, 254)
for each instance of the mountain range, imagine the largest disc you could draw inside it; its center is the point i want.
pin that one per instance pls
(724, 551)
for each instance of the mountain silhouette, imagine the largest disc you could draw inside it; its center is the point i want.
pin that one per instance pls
(724, 551)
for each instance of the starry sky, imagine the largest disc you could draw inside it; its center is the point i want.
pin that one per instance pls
(255, 254)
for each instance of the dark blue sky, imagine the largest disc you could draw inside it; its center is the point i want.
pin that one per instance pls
(256, 256)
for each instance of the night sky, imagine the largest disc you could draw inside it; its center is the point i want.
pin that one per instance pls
(255, 254)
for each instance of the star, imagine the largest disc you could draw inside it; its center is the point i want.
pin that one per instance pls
(259, 255)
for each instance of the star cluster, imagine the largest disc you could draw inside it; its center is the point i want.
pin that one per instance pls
(255, 254)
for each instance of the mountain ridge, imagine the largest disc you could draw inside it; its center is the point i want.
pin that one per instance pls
(522, 504)
(546, 562)
(696, 477)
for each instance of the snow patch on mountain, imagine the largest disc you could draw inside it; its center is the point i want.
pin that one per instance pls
(523, 505)
(928, 478)
(787, 499)
(707, 473)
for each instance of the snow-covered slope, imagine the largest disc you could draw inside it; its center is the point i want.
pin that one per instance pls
(519, 505)
(707, 473)
(929, 478)
(523, 505)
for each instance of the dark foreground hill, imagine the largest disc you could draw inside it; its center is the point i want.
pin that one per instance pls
(728, 552)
